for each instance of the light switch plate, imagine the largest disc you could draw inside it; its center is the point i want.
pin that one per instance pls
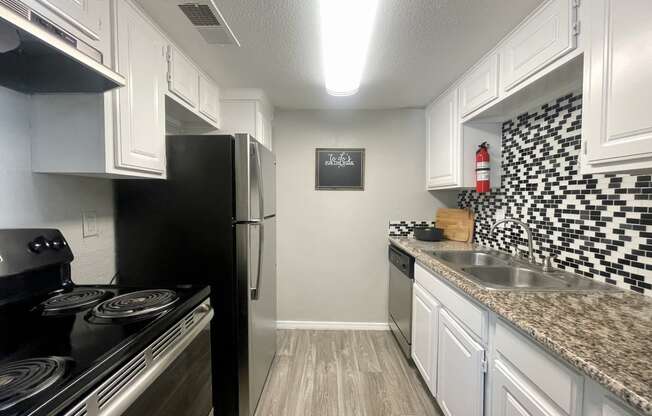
(89, 224)
(500, 214)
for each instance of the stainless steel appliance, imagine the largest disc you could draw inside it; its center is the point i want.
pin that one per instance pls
(96, 350)
(401, 279)
(30, 42)
(211, 222)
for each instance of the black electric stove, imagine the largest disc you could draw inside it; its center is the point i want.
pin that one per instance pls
(59, 340)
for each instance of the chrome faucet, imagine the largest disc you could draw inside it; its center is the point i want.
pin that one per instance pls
(528, 232)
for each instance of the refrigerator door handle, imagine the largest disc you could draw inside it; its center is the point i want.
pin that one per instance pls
(255, 291)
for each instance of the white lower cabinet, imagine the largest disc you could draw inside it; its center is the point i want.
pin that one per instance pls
(512, 396)
(449, 334)
(460, 370)
(425, 313)
(599, 402)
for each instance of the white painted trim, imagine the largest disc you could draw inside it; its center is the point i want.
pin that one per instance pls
(326, 325)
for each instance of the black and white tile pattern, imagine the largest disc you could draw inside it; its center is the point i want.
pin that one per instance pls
(406, 228)
(600, 226)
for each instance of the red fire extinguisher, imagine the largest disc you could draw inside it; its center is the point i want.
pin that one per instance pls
(482, 168)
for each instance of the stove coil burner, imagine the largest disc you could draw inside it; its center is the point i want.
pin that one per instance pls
(21, 380)
(75, 300)
(139, 304)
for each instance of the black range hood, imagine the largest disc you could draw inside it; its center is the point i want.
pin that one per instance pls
(36, 56)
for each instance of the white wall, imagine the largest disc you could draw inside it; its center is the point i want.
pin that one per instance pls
(40, 200)
(332, 245)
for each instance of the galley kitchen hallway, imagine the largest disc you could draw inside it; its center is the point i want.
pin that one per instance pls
(343, 373)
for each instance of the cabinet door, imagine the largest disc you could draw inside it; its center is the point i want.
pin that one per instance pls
(140, 115)
(544, 37)
(443, 143)
(599, 402)
(84, 15)
(268, 133)
(209, 98)
(425, 311)
(513, 397)
(480, 87)
(183, 77)
(617, 122)
(260, 128)
(460, 370)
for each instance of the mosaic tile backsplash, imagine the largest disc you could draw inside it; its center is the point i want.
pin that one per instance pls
(599, 226)
(406, 228)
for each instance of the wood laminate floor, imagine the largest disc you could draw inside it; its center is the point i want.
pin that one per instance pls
(343, 373)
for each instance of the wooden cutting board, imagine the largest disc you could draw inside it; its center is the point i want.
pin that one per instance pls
(456, 223)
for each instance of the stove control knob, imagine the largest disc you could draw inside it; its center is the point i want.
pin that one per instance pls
(38, 245)
(58, 243)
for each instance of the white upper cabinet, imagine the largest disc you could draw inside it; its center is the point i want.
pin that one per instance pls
(443, 142)
(460, 370)
(193, 104)
(183, 77)
(84, 15)
(247, 111)
(425, 311)
(480, 87)
(617, 122)
(140, 131)
(209, 99)
(541, 39)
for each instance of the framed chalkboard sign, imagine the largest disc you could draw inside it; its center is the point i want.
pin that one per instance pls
(339, 169)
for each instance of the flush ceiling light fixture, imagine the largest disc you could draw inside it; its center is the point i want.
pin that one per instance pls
(346, 27)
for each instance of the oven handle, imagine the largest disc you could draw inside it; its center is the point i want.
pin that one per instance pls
(119, 403)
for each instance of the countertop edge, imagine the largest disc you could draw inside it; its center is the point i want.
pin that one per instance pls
(614, 386)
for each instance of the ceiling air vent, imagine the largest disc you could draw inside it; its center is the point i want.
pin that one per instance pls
(207, 19)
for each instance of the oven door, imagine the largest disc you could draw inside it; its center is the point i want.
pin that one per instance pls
(172, 376)
(184, 388)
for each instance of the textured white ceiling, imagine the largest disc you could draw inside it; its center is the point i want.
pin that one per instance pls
(417, 49)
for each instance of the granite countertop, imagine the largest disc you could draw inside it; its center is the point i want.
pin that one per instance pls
(605, 335)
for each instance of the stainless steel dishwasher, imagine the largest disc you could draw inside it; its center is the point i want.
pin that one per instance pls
(401, 278)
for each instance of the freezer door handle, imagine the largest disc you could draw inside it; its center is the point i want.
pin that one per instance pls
(259, 177)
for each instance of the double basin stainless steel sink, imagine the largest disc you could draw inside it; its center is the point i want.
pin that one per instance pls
(494, 270)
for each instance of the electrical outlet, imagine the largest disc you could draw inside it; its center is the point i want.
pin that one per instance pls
(500, 214)
(89, 224)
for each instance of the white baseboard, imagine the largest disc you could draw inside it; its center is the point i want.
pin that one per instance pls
(325, 325)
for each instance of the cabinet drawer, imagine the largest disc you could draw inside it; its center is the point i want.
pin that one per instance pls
(557, 381)
(183, 77)
(467, 312)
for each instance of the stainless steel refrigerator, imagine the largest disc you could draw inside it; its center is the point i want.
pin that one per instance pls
(213, 221)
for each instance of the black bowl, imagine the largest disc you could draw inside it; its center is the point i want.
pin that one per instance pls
(428, 233)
